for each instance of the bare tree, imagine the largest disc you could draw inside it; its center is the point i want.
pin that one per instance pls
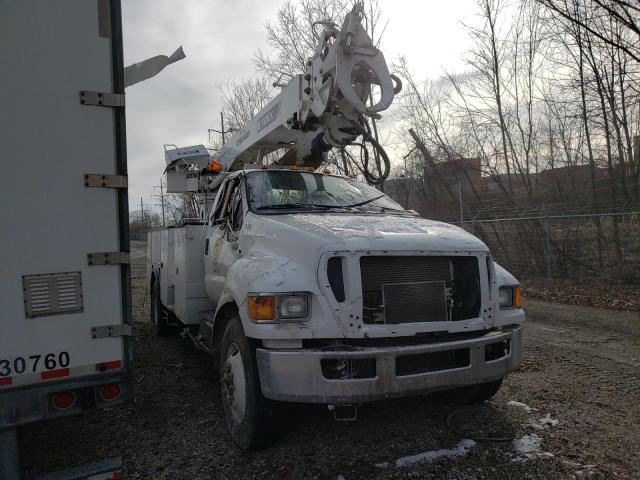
(243, 99)
(182, 207)
(624, 12)
(294, 34)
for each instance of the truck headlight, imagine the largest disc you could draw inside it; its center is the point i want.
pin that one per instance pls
(510, 297)
(270, 308)
(293, 306)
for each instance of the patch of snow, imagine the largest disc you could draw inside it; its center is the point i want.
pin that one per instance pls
(529, 446)
(544, 422)
(462, 448)
(524, 406)
(547, 421)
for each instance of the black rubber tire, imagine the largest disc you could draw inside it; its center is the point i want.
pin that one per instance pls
(475, 393)
(159, 320)
(259, 424)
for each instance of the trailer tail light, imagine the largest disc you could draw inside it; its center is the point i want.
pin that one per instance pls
(64, 400)
(110, 392)
(6, 381)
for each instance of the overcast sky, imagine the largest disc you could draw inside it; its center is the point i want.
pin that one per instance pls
(220, 38)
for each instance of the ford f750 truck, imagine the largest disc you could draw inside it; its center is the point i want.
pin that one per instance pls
(318, 288)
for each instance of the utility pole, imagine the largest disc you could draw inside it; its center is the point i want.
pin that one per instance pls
(460, 200)
(222, 132)
(141, 212)
(161, 199)
(222, 128)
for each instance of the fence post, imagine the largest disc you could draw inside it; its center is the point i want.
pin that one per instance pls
(547, 250)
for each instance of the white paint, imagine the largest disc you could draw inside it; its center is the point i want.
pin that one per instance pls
(462, 448)
(524, 406)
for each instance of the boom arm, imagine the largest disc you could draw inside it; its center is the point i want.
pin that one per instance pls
(323, 108)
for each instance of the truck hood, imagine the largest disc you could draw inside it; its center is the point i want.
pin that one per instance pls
(373, 232)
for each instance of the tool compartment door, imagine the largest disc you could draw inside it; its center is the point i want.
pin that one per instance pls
(51, 297)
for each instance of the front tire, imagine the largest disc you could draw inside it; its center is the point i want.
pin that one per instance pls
(157, 318)
(250, 417)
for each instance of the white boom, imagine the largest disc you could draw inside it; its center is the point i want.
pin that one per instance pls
(328, 106)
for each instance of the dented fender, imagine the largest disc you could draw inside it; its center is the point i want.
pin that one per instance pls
(261, 272)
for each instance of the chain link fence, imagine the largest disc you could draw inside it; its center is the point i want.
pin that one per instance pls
(583, 247)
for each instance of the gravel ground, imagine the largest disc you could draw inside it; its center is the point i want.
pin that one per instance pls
(580, 367)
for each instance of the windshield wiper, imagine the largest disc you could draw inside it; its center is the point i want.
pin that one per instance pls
(365, 202)
(315, 205)
(284, 206)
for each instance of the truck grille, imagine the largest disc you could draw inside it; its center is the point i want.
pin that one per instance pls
(410, 289)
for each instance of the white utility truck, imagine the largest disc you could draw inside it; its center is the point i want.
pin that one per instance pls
(317, 288)
(66, 308)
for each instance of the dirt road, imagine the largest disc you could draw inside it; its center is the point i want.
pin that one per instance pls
(571, 412)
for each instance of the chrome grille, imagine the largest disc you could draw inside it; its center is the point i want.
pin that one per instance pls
(414, 302)
(378, 270)
(408, 289)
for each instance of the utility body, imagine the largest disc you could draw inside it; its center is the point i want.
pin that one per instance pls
(318, 288)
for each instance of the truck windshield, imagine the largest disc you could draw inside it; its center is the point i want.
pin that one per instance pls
(284, 189)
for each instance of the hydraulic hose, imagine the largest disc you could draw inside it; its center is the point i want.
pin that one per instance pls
(370, 177)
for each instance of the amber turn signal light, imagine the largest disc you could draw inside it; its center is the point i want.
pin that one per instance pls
(517, 297)
(262, 308)
(215, 166)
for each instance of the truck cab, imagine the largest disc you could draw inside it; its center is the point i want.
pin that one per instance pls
(324, 290)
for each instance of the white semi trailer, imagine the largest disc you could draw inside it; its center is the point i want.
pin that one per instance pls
(317, 288)
(65, 300)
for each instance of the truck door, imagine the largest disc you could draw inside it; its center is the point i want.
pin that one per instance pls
(221, 244)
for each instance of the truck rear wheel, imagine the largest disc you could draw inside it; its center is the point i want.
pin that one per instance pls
(157, 318)
(475, 393)
(250, 417)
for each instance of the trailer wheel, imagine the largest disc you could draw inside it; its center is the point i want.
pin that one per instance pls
(475, 393)
(250, 417)
(157, 318)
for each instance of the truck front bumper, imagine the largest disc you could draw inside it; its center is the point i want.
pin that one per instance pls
(298, 375)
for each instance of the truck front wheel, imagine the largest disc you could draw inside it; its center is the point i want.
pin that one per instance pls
(157, 318)
(250, 417)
